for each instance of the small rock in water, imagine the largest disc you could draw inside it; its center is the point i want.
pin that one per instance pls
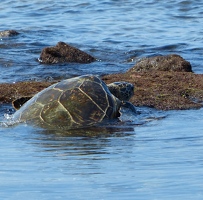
(62, 53)
(8, 33)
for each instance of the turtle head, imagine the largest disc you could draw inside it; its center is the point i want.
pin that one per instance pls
(122, 90)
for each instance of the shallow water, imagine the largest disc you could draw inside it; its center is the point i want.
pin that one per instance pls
(156, 155)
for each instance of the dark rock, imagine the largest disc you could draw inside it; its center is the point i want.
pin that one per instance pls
(171, 62)
(63, 52)
(8, 33)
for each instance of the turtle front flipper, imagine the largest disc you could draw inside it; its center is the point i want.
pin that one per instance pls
(17, 104)
(129, 105)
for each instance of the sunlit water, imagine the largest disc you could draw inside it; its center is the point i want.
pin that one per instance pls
(155, 155)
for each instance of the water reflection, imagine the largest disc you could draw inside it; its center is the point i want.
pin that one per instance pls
(91, 141)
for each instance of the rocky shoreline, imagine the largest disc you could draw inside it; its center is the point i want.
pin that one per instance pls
(164, 90)
(163, 82)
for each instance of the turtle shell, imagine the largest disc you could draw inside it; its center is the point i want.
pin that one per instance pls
(76, 102)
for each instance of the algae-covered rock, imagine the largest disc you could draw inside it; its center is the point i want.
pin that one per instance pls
(12, 91)
(172, 62)
(158, 89)
(163, 90)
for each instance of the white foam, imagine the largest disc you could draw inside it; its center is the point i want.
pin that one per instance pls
(8, 121)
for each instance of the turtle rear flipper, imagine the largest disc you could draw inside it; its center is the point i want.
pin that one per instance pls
(17, 104)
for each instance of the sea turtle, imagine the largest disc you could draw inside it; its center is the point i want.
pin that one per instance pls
(75, 103)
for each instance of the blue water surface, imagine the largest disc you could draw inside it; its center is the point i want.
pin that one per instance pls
(156, 155)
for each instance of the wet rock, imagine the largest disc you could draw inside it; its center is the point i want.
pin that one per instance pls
(8, 33)
(12, 91)
(172, 62)
(159, 89)
(163, 90)
(63, 52)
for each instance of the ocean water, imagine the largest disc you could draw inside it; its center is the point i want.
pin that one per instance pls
(156, 155)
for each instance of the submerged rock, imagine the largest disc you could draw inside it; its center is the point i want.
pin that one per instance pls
(8, 33)
(172, 62)
(63, 52)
